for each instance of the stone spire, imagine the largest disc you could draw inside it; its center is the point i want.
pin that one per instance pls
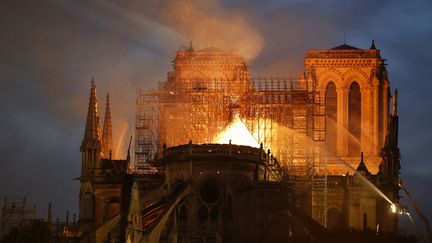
(92, 134)
(107, 136)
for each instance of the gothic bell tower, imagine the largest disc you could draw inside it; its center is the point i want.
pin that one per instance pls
(91, 148)
(355, 86)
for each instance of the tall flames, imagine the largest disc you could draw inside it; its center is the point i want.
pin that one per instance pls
(236, 132)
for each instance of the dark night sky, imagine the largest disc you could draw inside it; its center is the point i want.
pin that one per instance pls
(50, 50)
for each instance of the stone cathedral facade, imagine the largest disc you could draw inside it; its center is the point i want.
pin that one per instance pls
(208, 192)
(356, 87)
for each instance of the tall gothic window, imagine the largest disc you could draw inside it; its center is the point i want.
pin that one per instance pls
(331, 117)
(354, 120)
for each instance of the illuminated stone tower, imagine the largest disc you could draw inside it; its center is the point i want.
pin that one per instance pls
(355, 85)
(209, 63)
(356, 88)
(102, 179)
(91, 148)
(208, 69)
(203, 89)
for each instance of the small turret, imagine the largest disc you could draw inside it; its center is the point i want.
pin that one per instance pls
(391, 140)
(373, 45)
(362, 168)
(107, 136)
(190, 49)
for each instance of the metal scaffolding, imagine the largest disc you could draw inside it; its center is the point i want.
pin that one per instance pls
(146, 127)
(15, 213)
(287, 116)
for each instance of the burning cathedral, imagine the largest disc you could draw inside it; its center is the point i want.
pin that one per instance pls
(220, 156)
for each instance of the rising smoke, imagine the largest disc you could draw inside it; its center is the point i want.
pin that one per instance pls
(124, 46)
(163, 27)
(208, 25)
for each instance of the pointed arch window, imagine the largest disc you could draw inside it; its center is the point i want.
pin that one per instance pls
(354, 120)
(331, 117)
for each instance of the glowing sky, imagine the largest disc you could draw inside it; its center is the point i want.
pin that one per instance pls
(50, 50)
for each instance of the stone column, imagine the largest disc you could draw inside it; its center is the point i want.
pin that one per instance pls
(368, 116)
(385, 113)
(375, 127)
